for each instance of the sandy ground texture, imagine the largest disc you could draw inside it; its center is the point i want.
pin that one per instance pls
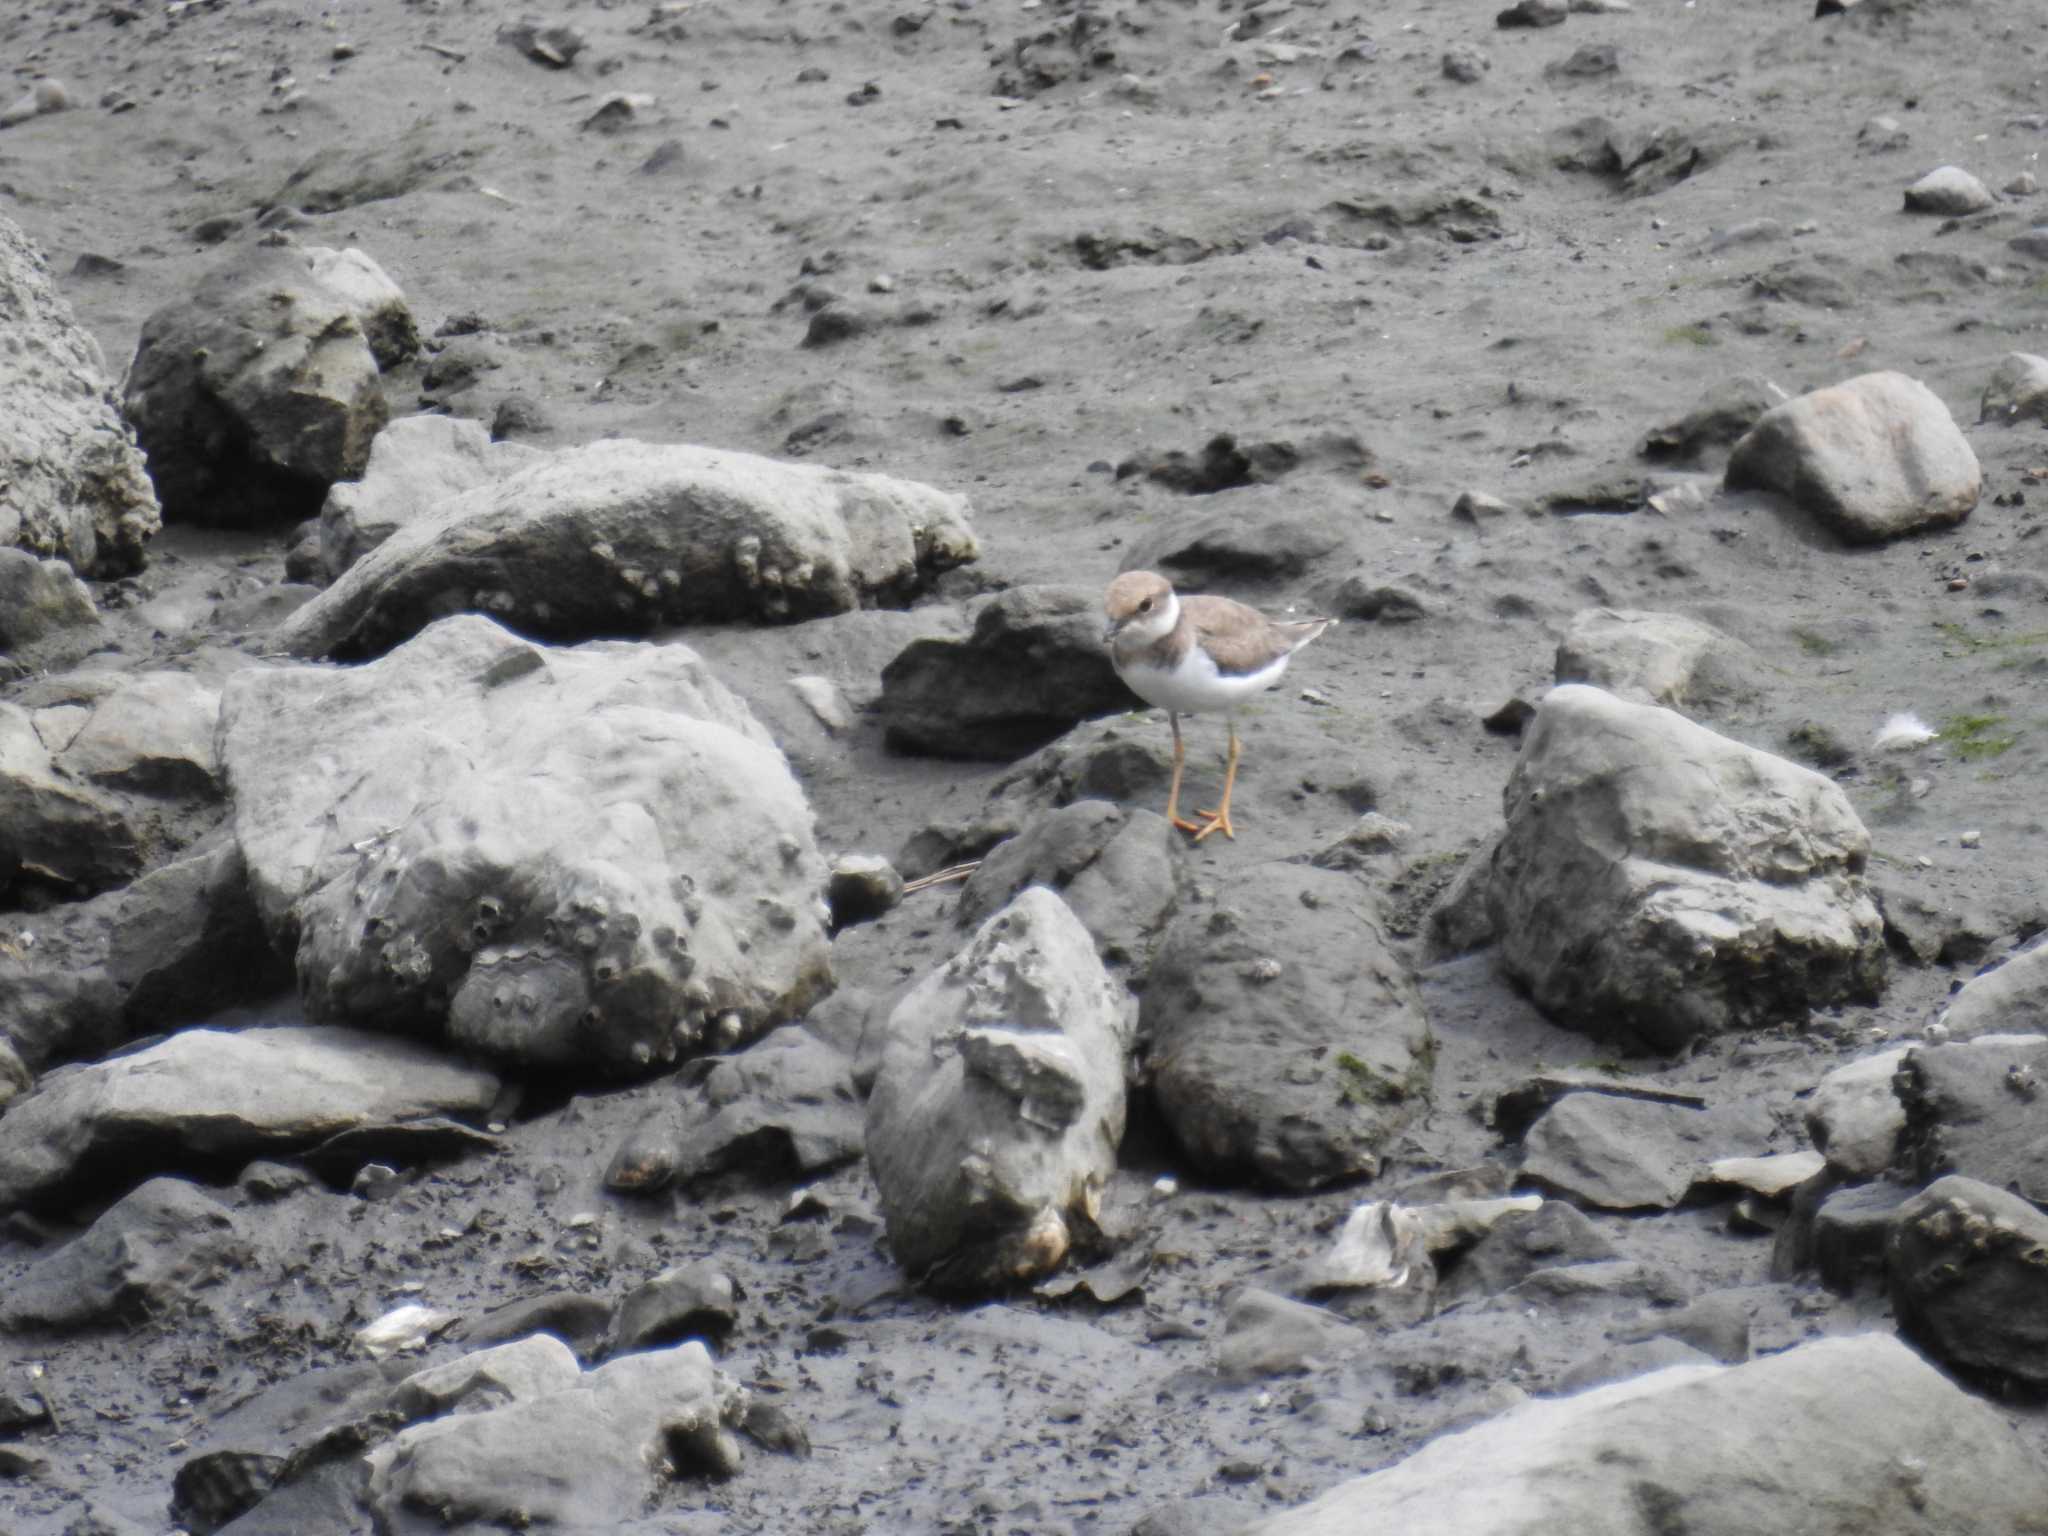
(1081, 239)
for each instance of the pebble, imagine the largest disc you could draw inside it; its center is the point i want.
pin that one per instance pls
(1534, 13)
(2022, 185)
(1883, 133)
(1465, 64)
(1971, 839)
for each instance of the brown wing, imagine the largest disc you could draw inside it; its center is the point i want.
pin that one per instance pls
(1243, 639)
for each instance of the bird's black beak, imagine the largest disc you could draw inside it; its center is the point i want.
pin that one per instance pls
(1109, 632)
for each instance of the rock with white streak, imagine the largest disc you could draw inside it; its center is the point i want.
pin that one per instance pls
(993, 1126)
(1761, 1449)
(1873, 458)
(590, 858)
(1659, 880)
(620, 537)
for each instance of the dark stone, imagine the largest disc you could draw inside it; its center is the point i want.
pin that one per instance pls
(144, 1258)
(691, 1301)
(1116, 869)
(1521, 1243)
(1977, 1107)
(1034, 667)
(1969, 1281)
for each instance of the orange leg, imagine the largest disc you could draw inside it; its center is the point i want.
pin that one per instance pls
(1219, 819)
(1180, 754)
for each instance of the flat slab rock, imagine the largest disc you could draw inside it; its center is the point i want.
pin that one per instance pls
(1660, 880)
(620, 537)
(1810, 1442)
(155, 1247)
(2011, 1000)
(592, 857)
(208, 1095)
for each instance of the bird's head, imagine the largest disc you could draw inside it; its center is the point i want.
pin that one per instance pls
(1139, 606)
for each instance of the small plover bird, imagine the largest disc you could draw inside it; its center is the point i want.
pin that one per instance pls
(1189, 654)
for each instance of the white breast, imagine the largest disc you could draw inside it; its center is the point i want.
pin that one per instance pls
(1195, 684)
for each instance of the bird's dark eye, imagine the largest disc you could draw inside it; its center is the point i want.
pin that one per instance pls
(1145, 606)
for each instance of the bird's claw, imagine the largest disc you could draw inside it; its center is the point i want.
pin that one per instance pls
(1216, 821)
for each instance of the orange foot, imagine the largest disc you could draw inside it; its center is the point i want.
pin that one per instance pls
(1216, 821)
(1189, 826)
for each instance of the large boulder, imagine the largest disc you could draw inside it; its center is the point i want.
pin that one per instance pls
(258, 392)
(994, 1121)
(1975, 1107)
(416, 464)
(1034, 667)
(207, 1096)
(1659, 658)
(589, 859)
(1873, 458)
(74, 487)
(1658, 880)
(1284, 1038)
(1840, 1437)
(2011, 1000)
(619, 537)
(1968, 1267)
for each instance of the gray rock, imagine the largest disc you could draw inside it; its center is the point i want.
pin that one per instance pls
(620, 537)
(2018, 390)
(55, 832)
(1621, 1362)
(1968, 1266)
(1753, 1448)
(578, 1320)
(1660, 880)
(1253, 534)
(689, 1301)
(1873, 458)
(784, 1108)
(178, 944)
(39, 598)
(2033, 243)
(1727, 410)
(1660, 658)
(1855, 1118)
(1117, 870)
(1613, 1154)
(1034, 667)
(590, 858)
(1286, 1041)
(994, 1122)
(1883, 133)
(1465, 64)
(1261, 1334)
(1851, 1228)
(1534, 13)
(255, 394)
(205, 1094)
(76, 489)
(149, 733)
(1948, 190)
(377, 302)
(416, 463)
(1716, 1324)
(1555, 1235)
(1976, 1108)
(582, 1458)
(863, 886)
(487, 1378)
(2011, 1000)
(145, 1256)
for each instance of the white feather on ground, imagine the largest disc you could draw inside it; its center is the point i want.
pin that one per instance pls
(1903, 731)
